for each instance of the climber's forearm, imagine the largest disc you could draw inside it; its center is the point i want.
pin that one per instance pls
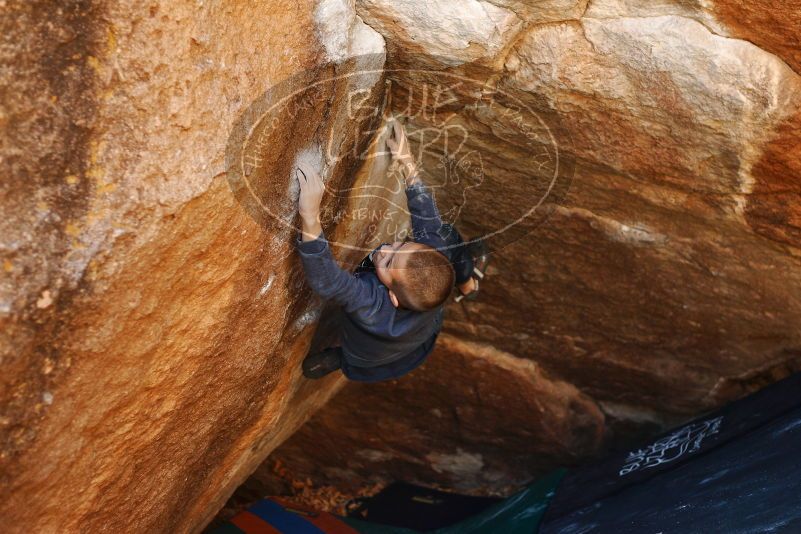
(412, 175)
(311, 227)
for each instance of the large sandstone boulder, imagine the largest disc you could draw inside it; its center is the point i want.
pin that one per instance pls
(635, 166)
(152, 323)
(472, 417)
(661, 279)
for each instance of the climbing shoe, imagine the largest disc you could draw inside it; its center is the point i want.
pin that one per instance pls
(322, 363)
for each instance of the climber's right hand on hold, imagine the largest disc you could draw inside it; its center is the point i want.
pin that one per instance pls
(398, 143)
(311, 196)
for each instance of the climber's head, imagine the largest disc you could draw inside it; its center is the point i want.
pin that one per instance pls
(418, 276)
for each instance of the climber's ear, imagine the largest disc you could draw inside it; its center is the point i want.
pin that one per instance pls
(394, 298)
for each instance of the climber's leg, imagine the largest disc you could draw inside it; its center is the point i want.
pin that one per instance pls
(460, 258)
(322, 363)
(469, 261)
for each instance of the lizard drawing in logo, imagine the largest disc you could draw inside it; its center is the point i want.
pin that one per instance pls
(457, 170)
(448, 167)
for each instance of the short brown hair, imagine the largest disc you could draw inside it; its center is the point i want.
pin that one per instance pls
(427, 281)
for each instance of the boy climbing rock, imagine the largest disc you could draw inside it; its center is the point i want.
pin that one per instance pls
(393, 302)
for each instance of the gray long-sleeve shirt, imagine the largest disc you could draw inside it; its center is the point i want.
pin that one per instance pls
(379, 341)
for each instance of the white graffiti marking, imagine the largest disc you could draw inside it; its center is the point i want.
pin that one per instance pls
(684, 440)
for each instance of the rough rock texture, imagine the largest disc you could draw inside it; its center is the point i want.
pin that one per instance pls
(472, 417)
(151, 329)
(153, 316)
(664, 282)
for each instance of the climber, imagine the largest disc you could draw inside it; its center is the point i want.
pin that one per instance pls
(393, 301)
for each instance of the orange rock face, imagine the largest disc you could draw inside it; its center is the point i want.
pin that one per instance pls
(447, 424)
(152, 326)
(661, 277)
(772, 26)
(774, 209)
(634, 165)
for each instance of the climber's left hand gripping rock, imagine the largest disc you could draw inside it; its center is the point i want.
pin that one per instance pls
(311, 195)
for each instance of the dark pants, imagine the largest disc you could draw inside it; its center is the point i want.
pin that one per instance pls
(458, 253)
